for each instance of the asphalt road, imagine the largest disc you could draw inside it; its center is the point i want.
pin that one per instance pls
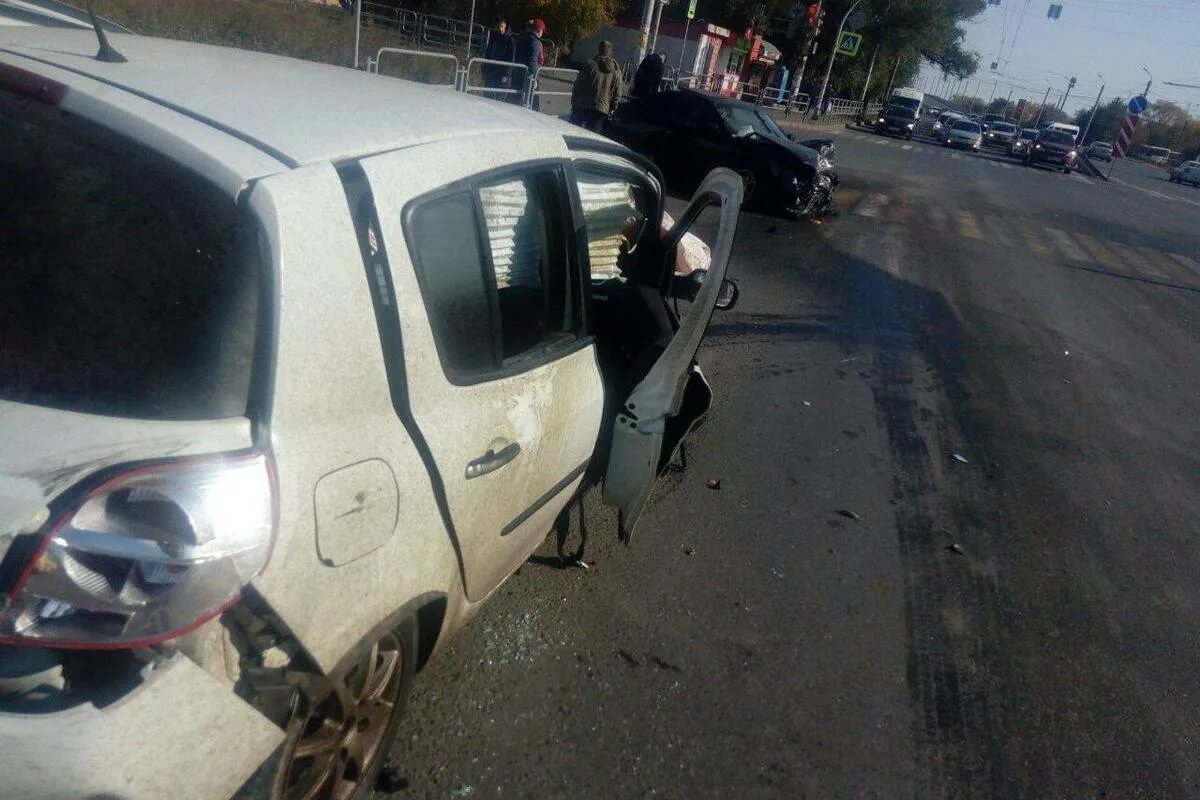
(953, 552)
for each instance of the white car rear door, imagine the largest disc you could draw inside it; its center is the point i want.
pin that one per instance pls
(501, 378)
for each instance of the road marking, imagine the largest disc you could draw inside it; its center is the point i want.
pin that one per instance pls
(1187, 263)
(995, 164)
(1066, 246)
(882, 141)
(955, 155)
(1156, 263)
(906, 147)
(967, 225)
(1006, 165)
(1033, 242)
(871, 206)
(997, 234)
(1098, 251)
(939, 218)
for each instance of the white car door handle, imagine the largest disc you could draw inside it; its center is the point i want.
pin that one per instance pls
(492, 460)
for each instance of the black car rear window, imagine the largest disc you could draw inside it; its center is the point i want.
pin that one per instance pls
(966, 125)
(129, 286)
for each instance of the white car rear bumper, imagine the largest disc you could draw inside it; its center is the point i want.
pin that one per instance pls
(182, 734)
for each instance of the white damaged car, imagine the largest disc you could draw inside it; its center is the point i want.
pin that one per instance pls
(297, 365)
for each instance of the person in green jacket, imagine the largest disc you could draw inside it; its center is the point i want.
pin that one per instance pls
(596, 91)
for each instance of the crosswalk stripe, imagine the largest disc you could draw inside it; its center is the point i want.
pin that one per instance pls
(994, 164)
(906, 147)
(881, 141)
(1032, 241)
(955, 156)
(967, 225)
(1066, 246)
(1098, 251)
(1190, 264)
(997, 233)
(1156, 263)
(1006, 165)
(871, 206)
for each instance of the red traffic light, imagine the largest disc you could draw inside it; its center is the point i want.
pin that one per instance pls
(811, 15)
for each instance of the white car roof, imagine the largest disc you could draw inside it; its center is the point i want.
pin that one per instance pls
(298, 112)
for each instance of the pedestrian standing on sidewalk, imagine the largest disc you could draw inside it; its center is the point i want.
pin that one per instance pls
(596, 91)
(500, 47)
(648, 78)
(529, 55)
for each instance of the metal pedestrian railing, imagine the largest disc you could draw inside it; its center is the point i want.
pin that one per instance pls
(515, 88)
(560, 76)
(427, 73)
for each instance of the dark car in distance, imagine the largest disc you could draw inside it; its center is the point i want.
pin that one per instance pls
(687, 134)
(896, 120)
(1052, 148)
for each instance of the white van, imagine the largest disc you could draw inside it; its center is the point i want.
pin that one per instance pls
(908, 98)
(1063, 126)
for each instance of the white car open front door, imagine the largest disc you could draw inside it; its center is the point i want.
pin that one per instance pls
(654, 417)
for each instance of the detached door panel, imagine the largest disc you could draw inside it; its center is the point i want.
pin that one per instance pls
(663, 407)
(501, 379)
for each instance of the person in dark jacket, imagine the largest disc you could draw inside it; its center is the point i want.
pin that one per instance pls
(648, 78)
(528, 48)
(500, 47)
(596, 91)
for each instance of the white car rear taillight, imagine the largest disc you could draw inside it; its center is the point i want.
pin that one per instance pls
(146, 556)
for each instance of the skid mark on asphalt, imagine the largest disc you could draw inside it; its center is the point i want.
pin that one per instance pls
(871, 206)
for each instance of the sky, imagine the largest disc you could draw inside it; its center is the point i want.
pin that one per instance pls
(1092, 38)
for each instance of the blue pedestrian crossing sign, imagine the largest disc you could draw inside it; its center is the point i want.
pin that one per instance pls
(1137, 104)
(849, 42)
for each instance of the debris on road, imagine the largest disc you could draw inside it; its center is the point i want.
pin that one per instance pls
(959, 457)
(806, 403)
(714, 484)
(689, 551)
(628, 658)
(849, 514)
(956, 548)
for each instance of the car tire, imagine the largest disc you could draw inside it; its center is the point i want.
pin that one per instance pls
(385, 663)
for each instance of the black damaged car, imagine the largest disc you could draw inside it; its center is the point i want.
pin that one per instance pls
(688, 133)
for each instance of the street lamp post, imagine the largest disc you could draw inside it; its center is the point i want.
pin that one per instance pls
(1088, 127)
(833, 54)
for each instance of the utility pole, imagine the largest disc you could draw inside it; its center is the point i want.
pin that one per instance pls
(1187, 111)
(470, 28)
(870, 71)
(1091, 119)
(644, 33)
(357, 29)
(1042, 109)
(658, 12)
(892, 80)
(1062, 105)
(833, 54)
(993, 94)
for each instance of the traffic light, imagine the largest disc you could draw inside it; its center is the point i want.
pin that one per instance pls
(812, 15)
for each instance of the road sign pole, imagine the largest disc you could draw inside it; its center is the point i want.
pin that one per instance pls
(833, 55)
